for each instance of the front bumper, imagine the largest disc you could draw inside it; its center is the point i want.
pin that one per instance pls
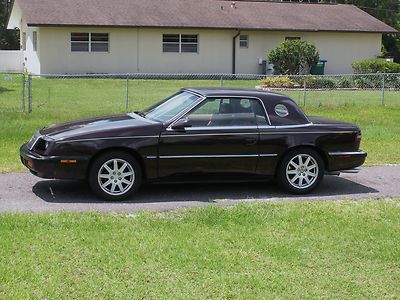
(54, 167)
(346, 160)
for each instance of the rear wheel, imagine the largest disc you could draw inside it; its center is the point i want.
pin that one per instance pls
(301, 171)
(115, 176)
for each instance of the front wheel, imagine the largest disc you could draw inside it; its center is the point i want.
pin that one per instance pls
(301, 171)
(115, 176)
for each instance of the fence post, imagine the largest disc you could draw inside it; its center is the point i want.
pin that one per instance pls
(305, 91)
(222, 81)
(29, 93)
(127, 94)
(383, 90)
(23, 92)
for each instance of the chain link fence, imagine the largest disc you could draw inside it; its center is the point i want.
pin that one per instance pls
(113, 93)
(12, 92)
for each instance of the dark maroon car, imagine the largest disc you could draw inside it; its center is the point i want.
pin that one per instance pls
(198, 134)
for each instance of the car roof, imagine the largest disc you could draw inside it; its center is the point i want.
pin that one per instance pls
(269, 99)
(215, 92)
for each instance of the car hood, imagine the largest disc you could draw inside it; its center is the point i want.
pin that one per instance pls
(110, 126)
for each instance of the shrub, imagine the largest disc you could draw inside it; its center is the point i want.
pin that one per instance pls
(375, 66)
(279, 81)
(320, 82)
(365, 82)
(293, 56)
(392, 82)
(345, 83)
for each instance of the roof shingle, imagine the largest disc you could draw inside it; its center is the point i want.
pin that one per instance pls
(201, 14)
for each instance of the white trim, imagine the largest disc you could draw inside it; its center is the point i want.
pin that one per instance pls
(200, 128)
(210, 134)
(215, 156)
(347, 153)
(305, 132)
(107, 138)
(35, 142)
(254, 133)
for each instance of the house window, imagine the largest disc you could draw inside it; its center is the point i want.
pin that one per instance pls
(99, 42)
(34, 40)
(180, 43)
(89, 42)
(244, 41)
(23, 42)
(292, 38)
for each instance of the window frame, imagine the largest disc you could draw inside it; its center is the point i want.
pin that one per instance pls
(90, 42)
(180, 43)
(205, 99)
(23, 41)
(292, 38)
(35, 40)
(246, 40)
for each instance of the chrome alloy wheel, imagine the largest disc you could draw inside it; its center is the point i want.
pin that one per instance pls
(302, 171)
(116, 177)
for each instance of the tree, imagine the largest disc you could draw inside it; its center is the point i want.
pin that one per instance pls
(294, 57)
(9, 39)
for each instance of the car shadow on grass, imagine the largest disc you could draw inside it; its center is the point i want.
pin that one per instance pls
(57, 191)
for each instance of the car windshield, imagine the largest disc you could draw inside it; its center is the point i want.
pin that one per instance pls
(170, 107)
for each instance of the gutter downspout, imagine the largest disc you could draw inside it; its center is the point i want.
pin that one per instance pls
(234, 52)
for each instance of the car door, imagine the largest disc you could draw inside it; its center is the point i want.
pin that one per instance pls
(218, 138)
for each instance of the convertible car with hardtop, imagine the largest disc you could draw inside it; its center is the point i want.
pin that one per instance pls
(198, 134)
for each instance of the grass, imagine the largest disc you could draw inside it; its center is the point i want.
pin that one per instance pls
(56, 100)
(249, 251)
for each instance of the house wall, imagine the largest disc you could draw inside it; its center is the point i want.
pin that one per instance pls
(11, 61)
(140, 50)
(340, 49)
(32, 59)
(56, 55)
(135, 50)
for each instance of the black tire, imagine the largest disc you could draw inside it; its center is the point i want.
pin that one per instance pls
(285, 171)
(122, 190)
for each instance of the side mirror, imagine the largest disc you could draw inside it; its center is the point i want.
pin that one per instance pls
(181, 124)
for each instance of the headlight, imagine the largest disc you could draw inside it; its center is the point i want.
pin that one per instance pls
(41, 145)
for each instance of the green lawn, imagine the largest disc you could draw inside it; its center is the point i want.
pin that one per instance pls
(250, 251)
(56, 100)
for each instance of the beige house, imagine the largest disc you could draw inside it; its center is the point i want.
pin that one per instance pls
(186, 36)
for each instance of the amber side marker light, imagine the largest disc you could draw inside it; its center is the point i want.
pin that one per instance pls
(68, 161)
(29, 163)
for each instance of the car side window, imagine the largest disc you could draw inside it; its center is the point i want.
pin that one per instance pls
(216, 112)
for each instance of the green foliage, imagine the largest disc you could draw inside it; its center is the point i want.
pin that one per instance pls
(9, 39)
(294, 57)
(366, 82)
(278, 81)
(375, 66)
(320, 83)
(345, 83)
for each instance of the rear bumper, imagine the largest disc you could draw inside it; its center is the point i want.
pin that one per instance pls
(53, 167)
(345, 160)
